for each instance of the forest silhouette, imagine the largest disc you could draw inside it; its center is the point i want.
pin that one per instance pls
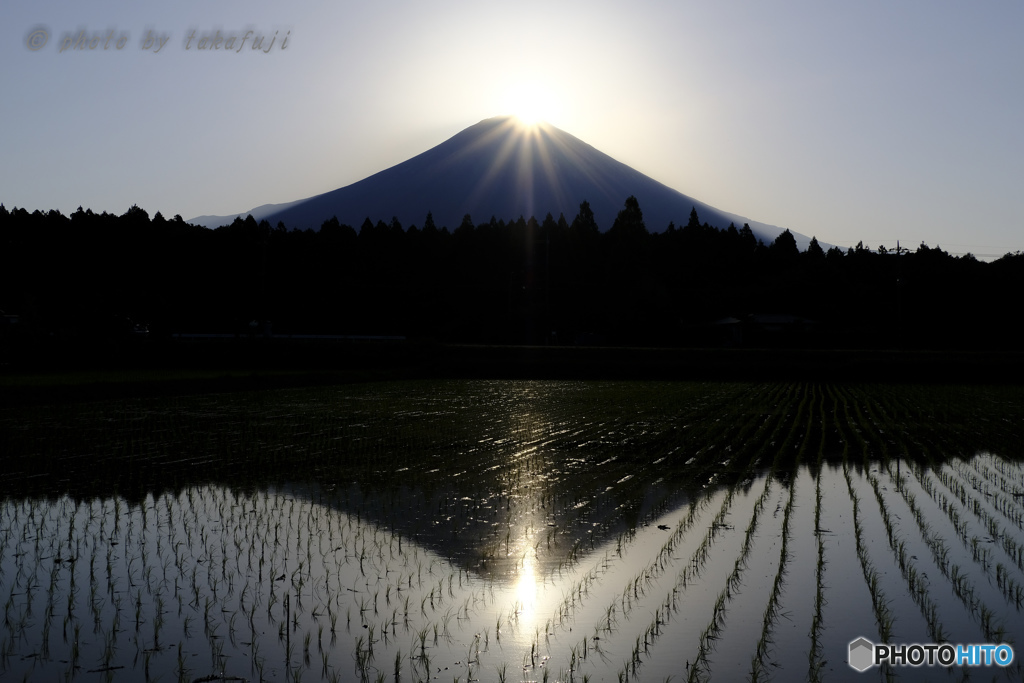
(91, 278)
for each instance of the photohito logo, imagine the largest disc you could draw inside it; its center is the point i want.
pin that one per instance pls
(864, 654)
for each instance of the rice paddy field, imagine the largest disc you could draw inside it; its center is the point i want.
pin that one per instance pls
(510, 531)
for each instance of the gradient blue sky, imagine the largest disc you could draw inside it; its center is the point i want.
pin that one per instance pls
(873, 121)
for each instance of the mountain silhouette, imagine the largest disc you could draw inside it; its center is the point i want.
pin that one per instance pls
(502, 168)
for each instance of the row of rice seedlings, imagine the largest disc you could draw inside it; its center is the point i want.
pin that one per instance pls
(966, 419)
(1011, 473)
(815, 655)
(298, 578)
(966, 590)
(980, 553)
(788, 452)
(785, 438)
(814, 428)
(1005, 477)
(969, 502)
(760, 435)
(423, 420)
(700, 669)
(1001, 506)
(577, 594)
(37, 537)
(615, 615)
(1011, 589)
(33, 537)
(872, 423)
(992, 486)
(636, 588)
(817, 424)
(879, 603)
(574, 598)
(746, 440)
(811, 404)
(917, 583)
(707, 438)
(762, 652)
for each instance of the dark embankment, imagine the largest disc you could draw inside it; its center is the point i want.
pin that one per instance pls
(241, 364)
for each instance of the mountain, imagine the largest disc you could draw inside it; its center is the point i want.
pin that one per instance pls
(501, 168)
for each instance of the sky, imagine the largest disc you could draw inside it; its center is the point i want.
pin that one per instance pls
(871, 121)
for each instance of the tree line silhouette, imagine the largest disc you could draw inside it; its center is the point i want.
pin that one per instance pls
(88, 277)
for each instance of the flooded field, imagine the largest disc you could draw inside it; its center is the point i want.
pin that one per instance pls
(510, 531)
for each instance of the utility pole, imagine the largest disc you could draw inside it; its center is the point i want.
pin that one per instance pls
(899, 297)
(547, 288)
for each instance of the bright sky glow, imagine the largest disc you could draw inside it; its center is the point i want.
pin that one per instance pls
(871, 121)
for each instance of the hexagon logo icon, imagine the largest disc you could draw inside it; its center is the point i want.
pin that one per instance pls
(861, 654)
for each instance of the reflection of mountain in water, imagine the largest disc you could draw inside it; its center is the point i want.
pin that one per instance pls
(484, 472)
(510, 482)
(495, 535)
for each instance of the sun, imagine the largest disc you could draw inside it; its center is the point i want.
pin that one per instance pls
(531, 107)
(531, 102)
(529, 116)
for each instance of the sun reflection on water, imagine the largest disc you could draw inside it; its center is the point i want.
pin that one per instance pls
(526, 589)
